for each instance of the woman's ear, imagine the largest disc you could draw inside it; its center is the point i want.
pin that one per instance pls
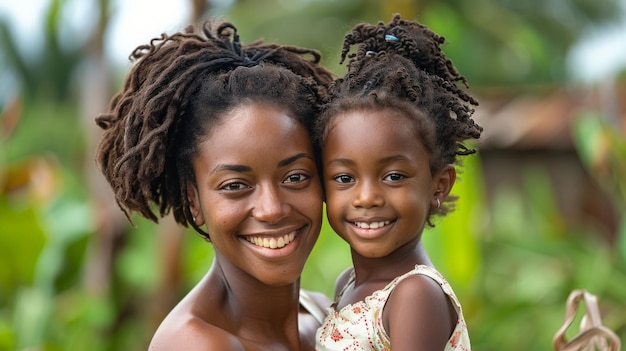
(443, 182)
(194, 205)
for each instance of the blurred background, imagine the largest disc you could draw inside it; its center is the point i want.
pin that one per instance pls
(542, 207)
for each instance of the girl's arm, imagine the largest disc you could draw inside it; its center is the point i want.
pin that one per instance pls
(419, 315)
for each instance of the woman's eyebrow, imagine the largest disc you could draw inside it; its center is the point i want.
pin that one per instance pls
(226, 167)
(293, 158)
(242, 168)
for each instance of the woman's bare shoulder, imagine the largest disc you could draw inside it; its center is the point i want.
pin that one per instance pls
(192, 333)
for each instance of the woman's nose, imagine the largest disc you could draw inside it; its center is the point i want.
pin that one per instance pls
(269, 206)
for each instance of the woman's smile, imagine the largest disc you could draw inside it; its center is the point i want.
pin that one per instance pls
(271, 242)
(275, 245)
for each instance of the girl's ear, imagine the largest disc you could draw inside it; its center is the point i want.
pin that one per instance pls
(194, 205)
(443, 182)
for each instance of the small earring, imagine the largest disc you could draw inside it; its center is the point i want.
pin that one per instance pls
(438, 203)
(194, 220)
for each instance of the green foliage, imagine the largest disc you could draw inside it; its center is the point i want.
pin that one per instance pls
(21, 243)
(603, 150)
(48, 128)
(531, 262)
(330, 256)
(530, 266)
(492, 42)
(512, 261)
(453, 242)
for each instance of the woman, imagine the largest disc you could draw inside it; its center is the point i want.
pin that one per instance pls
(219, 134)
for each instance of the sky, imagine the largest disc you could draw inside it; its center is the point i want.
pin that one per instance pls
(599, 55)
(132, 23)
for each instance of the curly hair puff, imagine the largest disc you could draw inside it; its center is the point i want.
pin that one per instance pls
(400, 66)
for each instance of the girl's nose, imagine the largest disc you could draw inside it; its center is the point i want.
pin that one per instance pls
(368, 195)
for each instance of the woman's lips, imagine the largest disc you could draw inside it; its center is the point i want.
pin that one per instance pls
(271, 242)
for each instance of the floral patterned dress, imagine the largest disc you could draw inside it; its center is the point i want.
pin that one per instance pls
(359, 326)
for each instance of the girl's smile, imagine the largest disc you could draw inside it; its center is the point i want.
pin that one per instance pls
(371, 224)
(369, 229)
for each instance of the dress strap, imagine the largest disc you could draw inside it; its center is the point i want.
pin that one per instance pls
(343, 290)
(312, 307)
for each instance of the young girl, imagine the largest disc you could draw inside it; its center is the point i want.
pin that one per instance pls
(390, 138)
(219, 134)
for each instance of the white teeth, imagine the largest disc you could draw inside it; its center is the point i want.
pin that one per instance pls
(272, 243)
(372, 225)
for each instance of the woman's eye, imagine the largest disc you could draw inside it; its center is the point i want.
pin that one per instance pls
(394, 177)
(343, 178)
(296, 178)
(234, 186)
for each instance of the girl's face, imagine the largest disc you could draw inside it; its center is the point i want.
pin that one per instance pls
(379, 188)
(259, 194)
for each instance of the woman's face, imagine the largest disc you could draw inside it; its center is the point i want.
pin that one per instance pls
(259, 194)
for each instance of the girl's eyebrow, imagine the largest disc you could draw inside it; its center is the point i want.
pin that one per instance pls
(341, 161)
(395, 158)
(242, 168)
(390, 159)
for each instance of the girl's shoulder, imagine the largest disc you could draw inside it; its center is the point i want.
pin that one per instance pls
(423, 285)
(418, 288)
(420, 297)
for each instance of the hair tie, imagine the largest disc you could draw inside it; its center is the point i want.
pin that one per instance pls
(389, 37)
(370, 53)
(248, 62)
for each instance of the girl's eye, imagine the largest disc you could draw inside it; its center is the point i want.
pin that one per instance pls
(296, 178)
(394, 177)
(234, 186)
(343, 179)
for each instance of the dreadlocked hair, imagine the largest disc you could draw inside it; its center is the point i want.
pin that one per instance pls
(400, 66)
(178, 88)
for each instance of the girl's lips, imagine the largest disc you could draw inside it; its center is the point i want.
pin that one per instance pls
(371, 225)
(371, 229)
